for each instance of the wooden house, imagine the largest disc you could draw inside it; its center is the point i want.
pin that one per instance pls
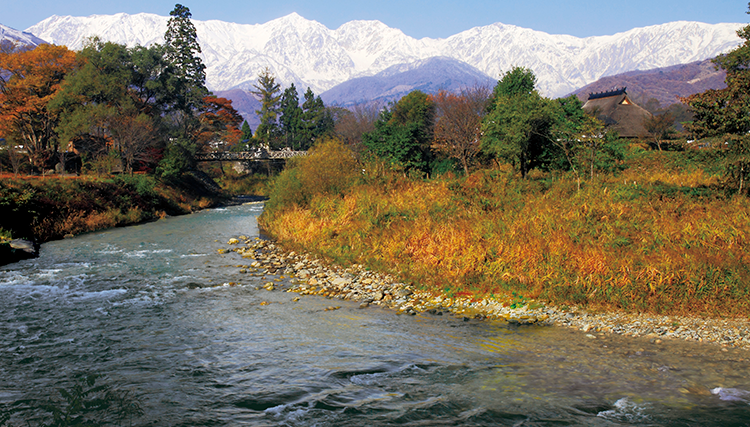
(618, 112)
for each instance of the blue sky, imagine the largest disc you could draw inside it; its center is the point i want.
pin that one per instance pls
(419, 18)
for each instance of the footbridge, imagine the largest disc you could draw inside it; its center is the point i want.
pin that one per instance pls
(255, 155)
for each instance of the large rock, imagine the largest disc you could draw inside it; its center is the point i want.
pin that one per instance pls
(17, 250)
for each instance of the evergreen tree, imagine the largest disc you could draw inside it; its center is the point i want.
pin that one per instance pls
(181, 51)
(268, 91)
(291, 118)
(317, 120)
(247, 133)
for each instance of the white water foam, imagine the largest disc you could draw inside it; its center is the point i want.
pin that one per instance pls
(144, 253)
(625, 410)
(732, 394)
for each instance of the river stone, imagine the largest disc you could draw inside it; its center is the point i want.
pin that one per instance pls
(340, 282)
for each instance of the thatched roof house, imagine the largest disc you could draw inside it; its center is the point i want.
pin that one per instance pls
(618, 112)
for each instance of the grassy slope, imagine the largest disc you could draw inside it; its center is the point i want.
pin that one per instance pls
(660, 236)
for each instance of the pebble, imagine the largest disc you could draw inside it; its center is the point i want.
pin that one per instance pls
(311, 276)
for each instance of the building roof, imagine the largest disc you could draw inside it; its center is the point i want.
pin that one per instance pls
(618, 112)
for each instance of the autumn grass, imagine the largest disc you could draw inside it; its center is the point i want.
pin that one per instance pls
(663, 236)
(50, 208)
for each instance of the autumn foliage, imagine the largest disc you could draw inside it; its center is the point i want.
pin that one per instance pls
(32, 78)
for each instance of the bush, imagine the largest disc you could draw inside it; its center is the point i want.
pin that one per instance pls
(329, 168)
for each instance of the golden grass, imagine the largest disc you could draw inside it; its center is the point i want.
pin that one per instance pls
(640, 241)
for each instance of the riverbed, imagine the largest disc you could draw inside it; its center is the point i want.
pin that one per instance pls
(164, 319)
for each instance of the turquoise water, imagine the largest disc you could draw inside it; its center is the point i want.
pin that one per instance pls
(151, 309)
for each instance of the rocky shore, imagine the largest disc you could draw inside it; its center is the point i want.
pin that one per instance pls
(309, 275)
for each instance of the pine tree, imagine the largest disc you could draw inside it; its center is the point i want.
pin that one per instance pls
(317, 120)
(291, 118)
(268, 91)
(247, 133)
(181, 51)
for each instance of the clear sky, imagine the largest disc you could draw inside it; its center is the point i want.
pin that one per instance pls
(416, 18)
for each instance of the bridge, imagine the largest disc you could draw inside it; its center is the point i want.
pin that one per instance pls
(256, 155)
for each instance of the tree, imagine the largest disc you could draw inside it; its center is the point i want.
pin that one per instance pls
(518, 125)
(403, 134)
(219, 123)
(351, 124)
(267, 90)
(578, 136)
(109, 106)
(458, 127)
(291, 118)
(181, 51)
(317, 120)
(725, 111)
(247, 133)
(133, 135)
(30, 79)
(517, 81)
(660, 126)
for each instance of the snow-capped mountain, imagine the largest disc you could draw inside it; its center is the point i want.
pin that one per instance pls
(19, 37)
(307, 53)
(429, 76)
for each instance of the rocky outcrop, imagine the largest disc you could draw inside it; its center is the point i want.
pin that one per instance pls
(17, 250)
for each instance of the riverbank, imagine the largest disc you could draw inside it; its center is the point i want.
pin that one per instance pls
(41, 209)
(663, 236)
(310, 275)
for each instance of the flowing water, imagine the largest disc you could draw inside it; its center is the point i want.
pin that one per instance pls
(151, 309)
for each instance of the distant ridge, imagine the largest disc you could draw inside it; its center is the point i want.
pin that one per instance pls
(429, 76)
(666, 84)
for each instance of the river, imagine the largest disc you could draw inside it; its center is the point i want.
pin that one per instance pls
(164, 319)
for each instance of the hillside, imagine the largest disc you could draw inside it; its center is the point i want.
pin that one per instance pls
(666, 85)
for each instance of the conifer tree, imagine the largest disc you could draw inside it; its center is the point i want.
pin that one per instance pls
(181, 51)
(268, 91)
(291, 118)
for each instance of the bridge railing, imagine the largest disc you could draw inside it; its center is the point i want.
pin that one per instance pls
(247, 155)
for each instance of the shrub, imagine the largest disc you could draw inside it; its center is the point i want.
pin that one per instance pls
(329, 168)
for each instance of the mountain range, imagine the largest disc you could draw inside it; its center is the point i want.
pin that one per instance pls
(306, 53)
(14, 36)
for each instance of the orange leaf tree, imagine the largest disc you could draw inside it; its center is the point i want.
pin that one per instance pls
(30, 79)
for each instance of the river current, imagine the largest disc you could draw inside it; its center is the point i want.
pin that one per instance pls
(159, 314)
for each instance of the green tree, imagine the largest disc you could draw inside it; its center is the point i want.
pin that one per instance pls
(188, 83)
(518, 127)
(517, 81)
(291, 118)
(317, 119)
(247, 133)
(185, 89)
(106, 106)
(268, 91)
(726, 111)
(403, 134)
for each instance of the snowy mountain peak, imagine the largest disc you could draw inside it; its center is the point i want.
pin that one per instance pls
(19, 37)
(307, 53)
